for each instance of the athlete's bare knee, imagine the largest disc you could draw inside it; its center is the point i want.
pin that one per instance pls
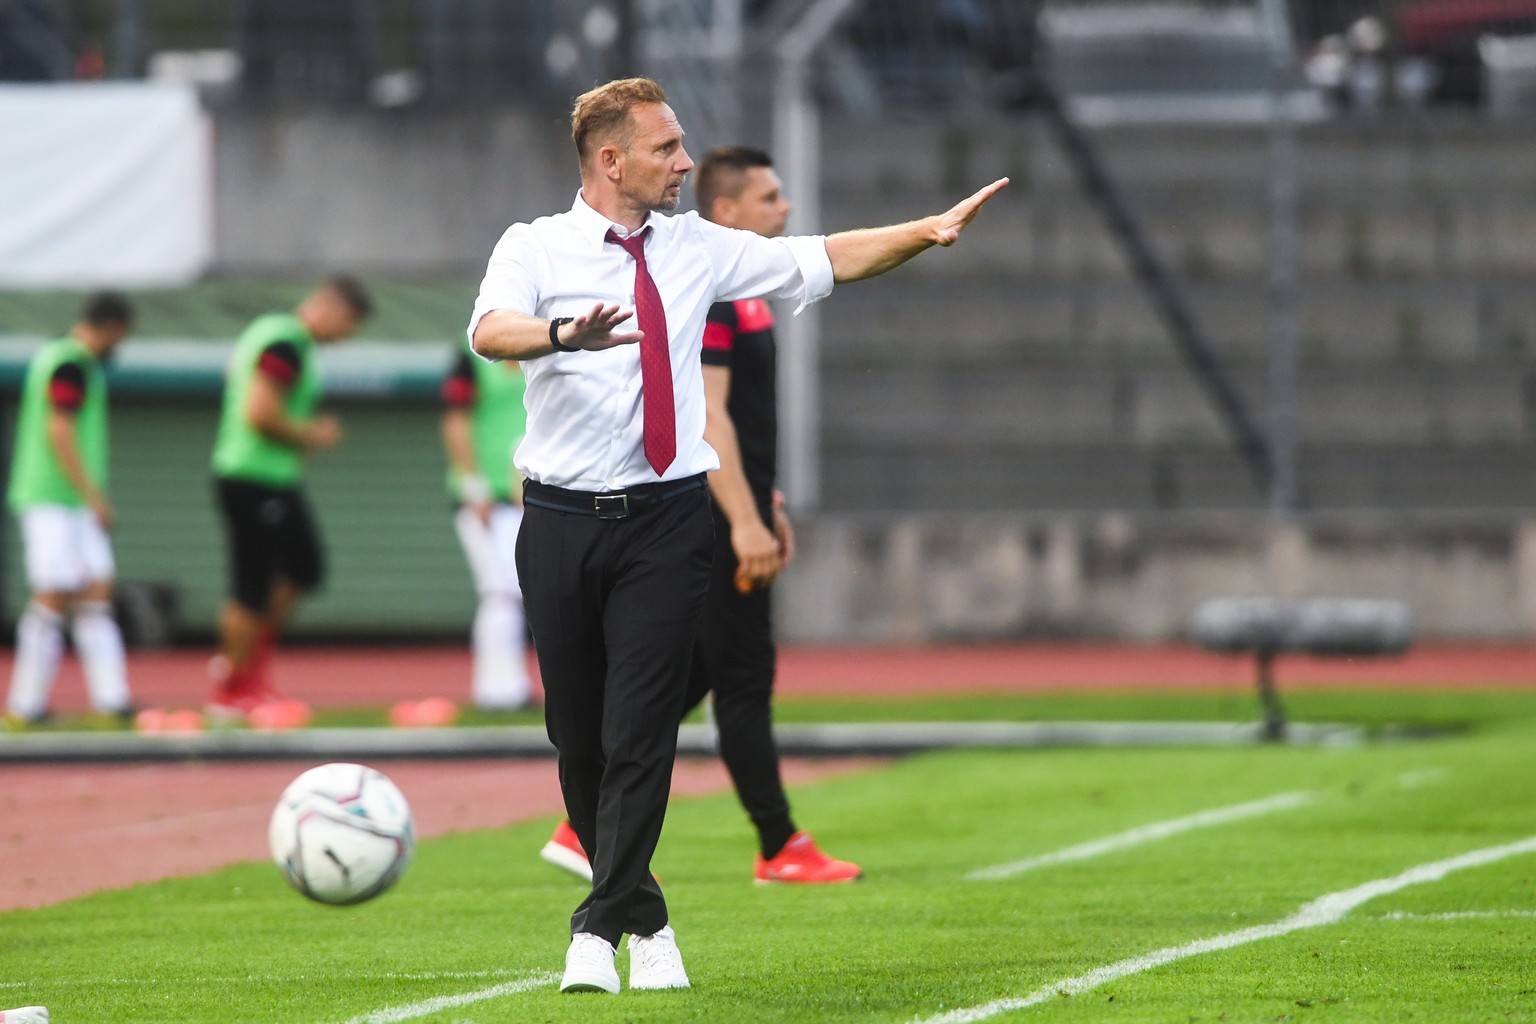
(56, 601)
(99, 591)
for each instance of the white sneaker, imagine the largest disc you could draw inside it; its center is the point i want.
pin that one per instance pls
(588, 966)
(656, 962)
(25, 1015)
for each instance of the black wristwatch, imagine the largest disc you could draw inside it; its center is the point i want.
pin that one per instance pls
(554, 334)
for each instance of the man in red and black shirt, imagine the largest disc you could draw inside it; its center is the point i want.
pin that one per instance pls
(734, 656)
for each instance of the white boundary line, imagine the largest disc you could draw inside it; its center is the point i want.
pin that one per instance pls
(410, 1011)
(1324, 910)
(1421, 777)
(1454, 915)
(1146, 834)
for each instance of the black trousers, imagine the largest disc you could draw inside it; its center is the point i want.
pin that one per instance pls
(735, 658)
(614, 607)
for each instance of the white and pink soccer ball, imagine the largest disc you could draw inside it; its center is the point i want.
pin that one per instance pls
(342, 834)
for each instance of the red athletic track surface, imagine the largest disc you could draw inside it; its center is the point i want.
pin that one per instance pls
(69, 830)
(356, 676)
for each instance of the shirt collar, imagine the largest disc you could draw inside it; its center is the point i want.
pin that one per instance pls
(595, 226)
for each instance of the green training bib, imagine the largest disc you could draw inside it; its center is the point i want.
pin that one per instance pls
(37, 478)
(241, 452)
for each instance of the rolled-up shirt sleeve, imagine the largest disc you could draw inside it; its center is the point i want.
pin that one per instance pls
(749, 266)
(810, 253)
(511, 277)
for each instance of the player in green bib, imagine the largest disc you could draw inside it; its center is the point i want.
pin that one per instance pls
(269, 424)
(483, 421)
(58, 493)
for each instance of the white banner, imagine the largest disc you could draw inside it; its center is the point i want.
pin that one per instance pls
(104, 185)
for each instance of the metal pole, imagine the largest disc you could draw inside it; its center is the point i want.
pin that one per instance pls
(797, 141)
(726, 30)
(722, 75)
(625, 57)
(1269, 699)
(1282, 307)
(127, 40)
(797, 145)
(728, 45)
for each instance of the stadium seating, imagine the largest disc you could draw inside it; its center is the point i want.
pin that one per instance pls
(1026, 371)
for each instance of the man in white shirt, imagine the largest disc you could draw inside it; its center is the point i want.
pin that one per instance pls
(605, 306)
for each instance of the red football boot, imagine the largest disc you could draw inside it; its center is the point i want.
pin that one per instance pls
(235, 693)
(564, 851)
(802, 861)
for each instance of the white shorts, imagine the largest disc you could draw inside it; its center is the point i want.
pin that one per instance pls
(491, 551)
(66, 549)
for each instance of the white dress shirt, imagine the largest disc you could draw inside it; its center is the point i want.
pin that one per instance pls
(585, 415)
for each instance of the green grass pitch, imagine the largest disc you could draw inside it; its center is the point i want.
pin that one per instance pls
(917, 938)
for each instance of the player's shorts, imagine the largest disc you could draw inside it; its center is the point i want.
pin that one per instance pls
(271, 536)
(491, 550)
(66, 549)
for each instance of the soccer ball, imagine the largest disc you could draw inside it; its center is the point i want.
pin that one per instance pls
(342, 833)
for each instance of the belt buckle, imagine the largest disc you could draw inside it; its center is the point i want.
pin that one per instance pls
(611, 506)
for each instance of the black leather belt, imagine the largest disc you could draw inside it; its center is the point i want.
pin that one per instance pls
(631, 501)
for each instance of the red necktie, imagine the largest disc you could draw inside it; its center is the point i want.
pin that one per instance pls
(655, 360)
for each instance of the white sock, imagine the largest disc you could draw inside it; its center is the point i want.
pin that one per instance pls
(501, 675)
(100, 645)
(39, 646)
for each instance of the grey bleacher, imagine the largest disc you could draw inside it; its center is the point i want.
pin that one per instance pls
(1025, 370)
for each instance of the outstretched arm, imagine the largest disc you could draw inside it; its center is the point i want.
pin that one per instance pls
(870, 252)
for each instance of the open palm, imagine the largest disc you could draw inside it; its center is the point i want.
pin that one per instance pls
(593, 331)
(962, 213)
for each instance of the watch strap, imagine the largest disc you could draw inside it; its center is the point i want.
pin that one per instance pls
(554, 334)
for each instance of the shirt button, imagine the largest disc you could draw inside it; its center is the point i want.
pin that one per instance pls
(618, 433)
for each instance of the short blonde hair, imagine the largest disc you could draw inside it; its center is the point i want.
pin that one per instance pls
(603, 114)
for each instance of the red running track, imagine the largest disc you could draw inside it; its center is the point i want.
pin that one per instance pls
(70, 830)
(360, 676)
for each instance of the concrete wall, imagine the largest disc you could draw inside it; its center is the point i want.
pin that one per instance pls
(427, 190)
(968, 577)
(412, 192)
